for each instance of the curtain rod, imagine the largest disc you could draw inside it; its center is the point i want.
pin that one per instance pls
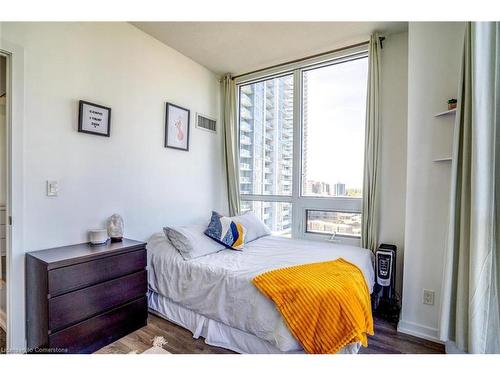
(382, 38)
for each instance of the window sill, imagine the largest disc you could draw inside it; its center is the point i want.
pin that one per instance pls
(338, 240)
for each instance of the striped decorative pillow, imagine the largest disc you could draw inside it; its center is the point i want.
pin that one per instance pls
(226, 231)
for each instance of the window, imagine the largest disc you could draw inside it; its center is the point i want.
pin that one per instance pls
(301, 169)
(333, 222)
(333, 129)
(266, 137)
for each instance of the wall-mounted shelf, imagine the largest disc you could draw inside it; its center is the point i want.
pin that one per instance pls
(448, 112)
(442, 159)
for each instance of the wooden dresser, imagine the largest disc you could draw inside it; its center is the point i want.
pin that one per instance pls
(80, 298)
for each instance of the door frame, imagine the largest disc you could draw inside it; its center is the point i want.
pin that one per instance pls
(16, 322)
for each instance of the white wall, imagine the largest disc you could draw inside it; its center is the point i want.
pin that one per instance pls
(435, 51)
(394, 105)
(130, 173)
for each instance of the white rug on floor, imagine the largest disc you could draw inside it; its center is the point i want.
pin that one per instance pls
(156, 350)
(158, 342)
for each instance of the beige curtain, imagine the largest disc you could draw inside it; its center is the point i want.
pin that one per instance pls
(230, 134)
(470, 316)
(369, 222)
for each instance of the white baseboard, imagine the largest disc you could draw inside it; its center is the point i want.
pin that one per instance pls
(418, 330)
(451, 348)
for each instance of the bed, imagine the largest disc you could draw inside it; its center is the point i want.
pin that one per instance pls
(213, 297)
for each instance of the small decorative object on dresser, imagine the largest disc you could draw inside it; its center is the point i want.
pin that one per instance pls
(115, 228)
(98, 236)
(177, 127)
(80, 298)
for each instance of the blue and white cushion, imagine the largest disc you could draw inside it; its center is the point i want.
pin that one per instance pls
(226, 231)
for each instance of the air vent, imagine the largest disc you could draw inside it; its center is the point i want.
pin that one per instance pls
(206, 123)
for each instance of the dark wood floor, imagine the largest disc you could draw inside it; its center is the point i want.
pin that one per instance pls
(180, 341)
(387, 340)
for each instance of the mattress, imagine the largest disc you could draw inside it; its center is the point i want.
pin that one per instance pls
(218, 286)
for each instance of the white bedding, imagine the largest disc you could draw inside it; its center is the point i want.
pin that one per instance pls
(219, 286)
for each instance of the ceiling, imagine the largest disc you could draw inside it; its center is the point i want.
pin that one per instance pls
(240, 47)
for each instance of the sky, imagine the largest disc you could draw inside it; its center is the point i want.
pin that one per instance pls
(336, 104)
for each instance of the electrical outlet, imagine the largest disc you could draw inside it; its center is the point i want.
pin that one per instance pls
(428, 297)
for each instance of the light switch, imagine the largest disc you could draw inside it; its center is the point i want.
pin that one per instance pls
(52, 188)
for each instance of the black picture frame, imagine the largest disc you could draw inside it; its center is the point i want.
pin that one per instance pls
(166, 144)
(80, 119)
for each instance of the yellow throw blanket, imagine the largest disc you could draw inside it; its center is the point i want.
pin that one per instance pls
(326, 305)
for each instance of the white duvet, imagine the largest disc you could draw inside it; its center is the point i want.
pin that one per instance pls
(219, 285)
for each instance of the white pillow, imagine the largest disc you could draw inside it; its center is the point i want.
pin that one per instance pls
(255, 228)
(191, 241)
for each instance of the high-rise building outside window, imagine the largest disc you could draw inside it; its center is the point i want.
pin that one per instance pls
(266, 148)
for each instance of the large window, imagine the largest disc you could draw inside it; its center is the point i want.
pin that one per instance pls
(333, 129)
(302, 175)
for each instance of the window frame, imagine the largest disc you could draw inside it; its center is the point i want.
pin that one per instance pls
(306, 211)
(299, 202)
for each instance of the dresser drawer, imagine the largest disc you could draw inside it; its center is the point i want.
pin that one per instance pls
(96, 332)
(66, 279)
(76, 306)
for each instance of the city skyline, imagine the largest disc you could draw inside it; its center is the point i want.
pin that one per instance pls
(322, 188)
